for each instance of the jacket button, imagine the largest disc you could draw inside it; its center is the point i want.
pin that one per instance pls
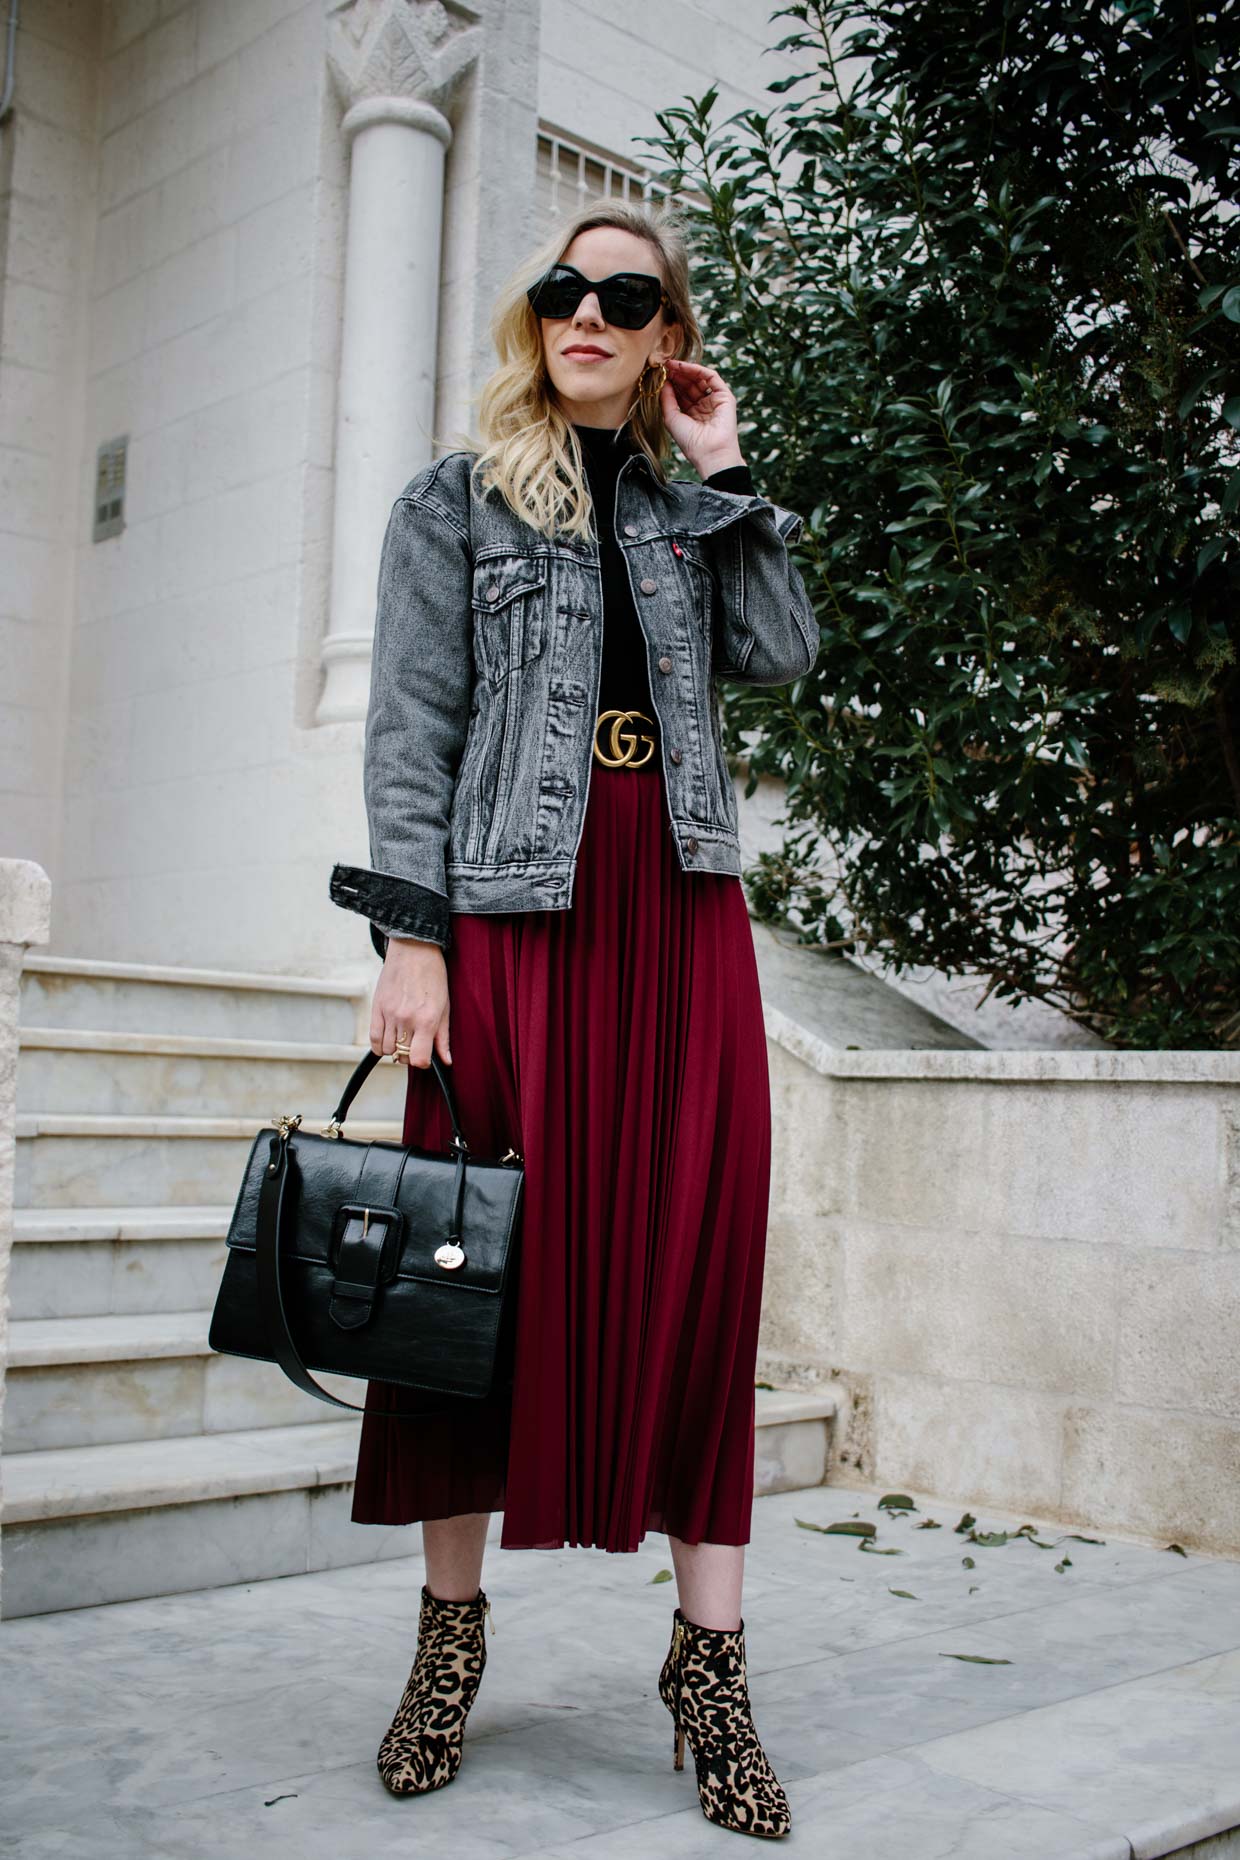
(648, 586)
(665, 664)
(630, 529)
(493, 591)
(674, 754)
(691, 844)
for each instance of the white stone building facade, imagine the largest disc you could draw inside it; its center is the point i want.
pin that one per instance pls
(253, 245)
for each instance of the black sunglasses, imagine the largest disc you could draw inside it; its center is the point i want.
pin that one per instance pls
(628, 299)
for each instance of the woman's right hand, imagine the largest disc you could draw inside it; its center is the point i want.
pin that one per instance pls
(411, 1000)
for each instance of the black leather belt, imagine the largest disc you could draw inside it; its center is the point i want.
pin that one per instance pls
(626, 739)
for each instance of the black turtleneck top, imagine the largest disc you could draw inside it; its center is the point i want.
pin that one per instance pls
(625, 676)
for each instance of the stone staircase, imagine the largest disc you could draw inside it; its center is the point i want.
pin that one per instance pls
(137, 1460)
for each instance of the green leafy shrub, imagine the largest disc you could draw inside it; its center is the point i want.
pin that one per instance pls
(975, 282)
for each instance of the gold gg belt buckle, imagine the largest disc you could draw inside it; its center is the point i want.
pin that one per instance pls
(622, 744)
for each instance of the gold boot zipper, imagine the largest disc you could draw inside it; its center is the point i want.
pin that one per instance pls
(678, 1741)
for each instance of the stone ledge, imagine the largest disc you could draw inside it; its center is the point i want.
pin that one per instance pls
(118, 1337)
(192, 1045)
(193, 978)
(774, 1407)
(72, 1482)
(193, 1221)
(104, 1124)
(40, 1343)
(1006, 1067)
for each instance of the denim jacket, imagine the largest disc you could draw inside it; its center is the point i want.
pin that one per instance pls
(485, 675)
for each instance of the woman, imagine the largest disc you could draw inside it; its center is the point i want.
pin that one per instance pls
(556, 868)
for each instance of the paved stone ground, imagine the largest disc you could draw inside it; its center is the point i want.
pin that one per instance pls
(221, 1721)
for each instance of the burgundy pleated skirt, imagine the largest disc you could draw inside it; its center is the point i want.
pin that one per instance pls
(619, 1045)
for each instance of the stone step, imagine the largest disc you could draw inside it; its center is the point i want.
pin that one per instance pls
(66, 1159)
(78, 991)
(111, 1523)
(92, 1262)
(128, 1074)
(114, 1522)
(792, 1438)
(95, 1381)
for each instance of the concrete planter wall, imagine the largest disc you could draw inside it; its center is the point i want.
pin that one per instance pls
(1023, 1270)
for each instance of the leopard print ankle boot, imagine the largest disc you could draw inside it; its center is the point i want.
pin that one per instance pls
(422, 1747)
(705, 1686)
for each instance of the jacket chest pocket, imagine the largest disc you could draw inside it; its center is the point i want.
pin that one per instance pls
(701, 579)
(509, 600)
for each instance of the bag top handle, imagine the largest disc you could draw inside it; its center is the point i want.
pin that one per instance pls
(362, 1071)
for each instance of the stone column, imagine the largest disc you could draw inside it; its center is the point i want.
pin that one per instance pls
(395, 65)
(25, 915)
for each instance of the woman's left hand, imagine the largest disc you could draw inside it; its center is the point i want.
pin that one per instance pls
(699, 409)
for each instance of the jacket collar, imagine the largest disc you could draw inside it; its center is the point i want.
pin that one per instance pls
(699, 508)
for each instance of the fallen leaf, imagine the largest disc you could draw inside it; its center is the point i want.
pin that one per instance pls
(977, 1659)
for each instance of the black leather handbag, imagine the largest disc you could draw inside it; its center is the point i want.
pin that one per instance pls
(373, 1259)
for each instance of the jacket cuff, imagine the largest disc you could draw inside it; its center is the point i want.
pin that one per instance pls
(730, 505)
(735, 478)
(395, 906)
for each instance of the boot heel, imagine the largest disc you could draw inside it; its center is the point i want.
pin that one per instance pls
(678, 1749)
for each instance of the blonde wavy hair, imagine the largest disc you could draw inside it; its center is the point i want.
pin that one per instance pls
(528, 450)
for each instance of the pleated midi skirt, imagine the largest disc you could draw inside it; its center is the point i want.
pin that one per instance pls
(619, 1045)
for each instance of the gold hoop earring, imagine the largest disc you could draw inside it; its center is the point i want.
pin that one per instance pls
(642, 387)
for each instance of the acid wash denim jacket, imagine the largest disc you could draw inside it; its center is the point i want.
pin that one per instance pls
(485, 676)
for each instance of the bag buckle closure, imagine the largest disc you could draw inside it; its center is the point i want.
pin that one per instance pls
(364, 1253)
